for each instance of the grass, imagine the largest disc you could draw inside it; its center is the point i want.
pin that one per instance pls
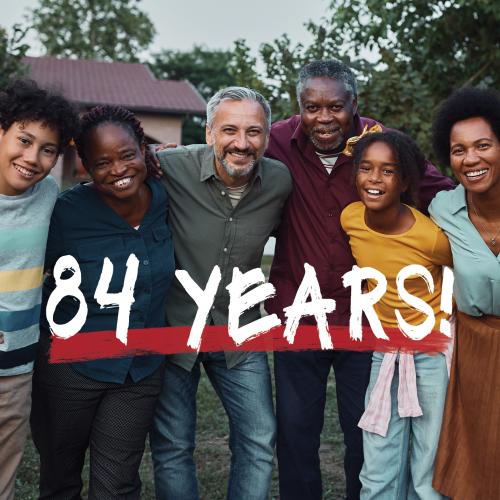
(212, 452)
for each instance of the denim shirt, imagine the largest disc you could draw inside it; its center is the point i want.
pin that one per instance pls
(85, 227)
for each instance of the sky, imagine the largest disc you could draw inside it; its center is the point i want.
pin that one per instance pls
(214, 23)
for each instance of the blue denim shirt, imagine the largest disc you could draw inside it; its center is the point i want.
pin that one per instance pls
(85, 227)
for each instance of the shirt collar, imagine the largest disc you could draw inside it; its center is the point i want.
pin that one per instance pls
(208, 164)
(208, 171)
(458, 200)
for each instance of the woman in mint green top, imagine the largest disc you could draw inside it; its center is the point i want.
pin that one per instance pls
(466, 136)
(476, 266)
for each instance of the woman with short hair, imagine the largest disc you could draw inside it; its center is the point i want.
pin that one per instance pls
(466, 136)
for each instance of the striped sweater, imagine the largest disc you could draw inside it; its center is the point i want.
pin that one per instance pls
(24, 225)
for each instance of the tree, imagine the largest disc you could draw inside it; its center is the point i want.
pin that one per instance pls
(207, 70)
(281, 61)
(408, 56)
(12, 51)
(93, 29)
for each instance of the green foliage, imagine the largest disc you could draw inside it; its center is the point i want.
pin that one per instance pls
(111, 30)
(12, 51)
(282, 61)
(408, 56)
(420, 52)
(208, 70)
(244, 68)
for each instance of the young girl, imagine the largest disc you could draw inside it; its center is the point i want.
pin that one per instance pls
(384, 233)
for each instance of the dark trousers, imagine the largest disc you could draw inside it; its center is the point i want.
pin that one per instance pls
(301, 379)
(71, 412)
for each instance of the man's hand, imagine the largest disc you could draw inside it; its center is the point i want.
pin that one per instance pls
(152, 151)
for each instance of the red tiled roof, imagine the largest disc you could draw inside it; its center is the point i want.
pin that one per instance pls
(89, 82)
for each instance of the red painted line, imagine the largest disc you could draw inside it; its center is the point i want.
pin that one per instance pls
(103, 344)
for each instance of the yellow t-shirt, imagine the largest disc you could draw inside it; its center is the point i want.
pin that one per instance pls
(424, 244)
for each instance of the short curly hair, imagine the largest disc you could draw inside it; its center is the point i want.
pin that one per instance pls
(22, 100)
(327, 68)
(117, 115)
(463, 104)
(408, 155)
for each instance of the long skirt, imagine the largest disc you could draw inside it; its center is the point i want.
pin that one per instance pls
(468, 459)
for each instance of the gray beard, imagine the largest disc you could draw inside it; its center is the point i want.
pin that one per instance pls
(236, 173)
(336, 145)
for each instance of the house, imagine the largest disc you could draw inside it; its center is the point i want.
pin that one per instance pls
(160, 105)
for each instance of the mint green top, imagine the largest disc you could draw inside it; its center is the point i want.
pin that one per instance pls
(476, 268)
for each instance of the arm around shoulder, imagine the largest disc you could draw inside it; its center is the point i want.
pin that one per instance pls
(432, 183)
(443, 207)
(442, 251)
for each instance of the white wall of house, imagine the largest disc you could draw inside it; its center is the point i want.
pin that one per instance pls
(162, 128)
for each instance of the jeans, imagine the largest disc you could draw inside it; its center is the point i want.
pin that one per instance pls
(400, 465)
(245, 392)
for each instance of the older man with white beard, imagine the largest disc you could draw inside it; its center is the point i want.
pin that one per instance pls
(225, 201)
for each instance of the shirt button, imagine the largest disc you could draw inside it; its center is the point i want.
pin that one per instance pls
(225, 250)
(223, 193)
(230, 219)
(145, 262)
(330, 214)
(213, 308)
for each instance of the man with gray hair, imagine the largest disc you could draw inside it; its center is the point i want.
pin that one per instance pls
(313, 146)
(225, 201)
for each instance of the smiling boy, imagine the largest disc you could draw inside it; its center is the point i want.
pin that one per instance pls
(35, 127)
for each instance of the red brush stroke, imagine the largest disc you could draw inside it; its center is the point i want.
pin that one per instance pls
(104, 344)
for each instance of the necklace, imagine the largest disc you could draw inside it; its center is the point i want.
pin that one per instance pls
(493, 239)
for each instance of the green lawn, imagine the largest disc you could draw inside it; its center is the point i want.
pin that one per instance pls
(212, 453)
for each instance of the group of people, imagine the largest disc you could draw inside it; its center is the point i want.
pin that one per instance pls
(336, 189)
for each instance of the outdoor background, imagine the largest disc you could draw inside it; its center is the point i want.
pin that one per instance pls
(408, 56)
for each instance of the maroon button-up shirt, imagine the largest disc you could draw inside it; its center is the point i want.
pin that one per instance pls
(310, 230)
